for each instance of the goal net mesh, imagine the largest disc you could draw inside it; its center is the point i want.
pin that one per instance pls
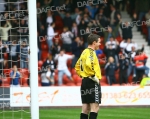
(14, 59)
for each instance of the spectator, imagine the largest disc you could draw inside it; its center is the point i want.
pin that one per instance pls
(62, 66)
(114, 20)
(14, 51)
(24, 55)
(110, 69)
(68, 21)
(86, 18)
(145, 81)
(142, 7)
(68, 6)
(98, 52)
(127, 45)
(50, 35)
(92, 10)
(75, 30)
(112, 42)
(130, 56)
(15, 77)
(101, 18)
(126, 30)
(3, 49)
(108, 31)
(51, 64)
(45, 78)
(140, 61)
(56, 48)
(147, 16)
(67, 39)
(75, 14)
(23, 31)
(77, 47)
(4, 31)
(123, 66)
(109, 51)
(49, 19)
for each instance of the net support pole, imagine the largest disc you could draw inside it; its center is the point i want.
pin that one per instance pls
(33, 59)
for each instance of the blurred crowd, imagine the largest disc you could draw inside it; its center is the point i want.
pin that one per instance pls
(62, 35)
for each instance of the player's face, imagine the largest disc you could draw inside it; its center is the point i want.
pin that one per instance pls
(97, 44)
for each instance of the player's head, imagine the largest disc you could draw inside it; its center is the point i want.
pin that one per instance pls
(94, 41)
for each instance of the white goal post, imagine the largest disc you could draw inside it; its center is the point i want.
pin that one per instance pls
(33, 58)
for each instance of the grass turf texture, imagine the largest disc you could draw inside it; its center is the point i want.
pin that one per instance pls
(71, 113)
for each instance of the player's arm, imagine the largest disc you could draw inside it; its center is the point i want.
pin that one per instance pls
(77, 67)
(94, 66)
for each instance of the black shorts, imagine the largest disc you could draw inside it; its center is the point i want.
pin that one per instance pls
(90, 91)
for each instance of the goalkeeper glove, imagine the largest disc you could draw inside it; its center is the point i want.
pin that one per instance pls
(95, 79)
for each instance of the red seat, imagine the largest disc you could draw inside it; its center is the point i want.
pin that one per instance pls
(130, 79)
(103, 80)
(56, 79)
(101, 56)
(104, 84)
(66, 79)
(44, 47)
(5, 85)
(115, 84)
(6, 80)
(117, 77)
(40, 63)
(102, 62)
(70, 84)
(101, 46)
(23, 80)
(44, 55)
(56, 71)
(6, 56)
(76, 79)
(69, 62)
(7, 72)
(24, 73)
(25, 85)
(78, 84)
(73, 71)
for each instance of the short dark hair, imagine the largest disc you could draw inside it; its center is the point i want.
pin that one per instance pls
(91, 38)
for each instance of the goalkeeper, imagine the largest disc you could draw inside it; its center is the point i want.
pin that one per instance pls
(88, 68)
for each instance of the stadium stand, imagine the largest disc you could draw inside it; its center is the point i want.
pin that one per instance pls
(107, 20)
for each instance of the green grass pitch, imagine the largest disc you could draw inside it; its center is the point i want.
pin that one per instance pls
(73, 113)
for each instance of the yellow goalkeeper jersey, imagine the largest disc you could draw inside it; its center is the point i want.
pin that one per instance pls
(88, 65)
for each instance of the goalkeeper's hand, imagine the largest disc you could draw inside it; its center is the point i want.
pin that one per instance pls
(95, 79)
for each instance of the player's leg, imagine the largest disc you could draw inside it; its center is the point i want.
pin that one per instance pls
(85, 111)
(94, 110)
(84, 99)
(96, 100)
